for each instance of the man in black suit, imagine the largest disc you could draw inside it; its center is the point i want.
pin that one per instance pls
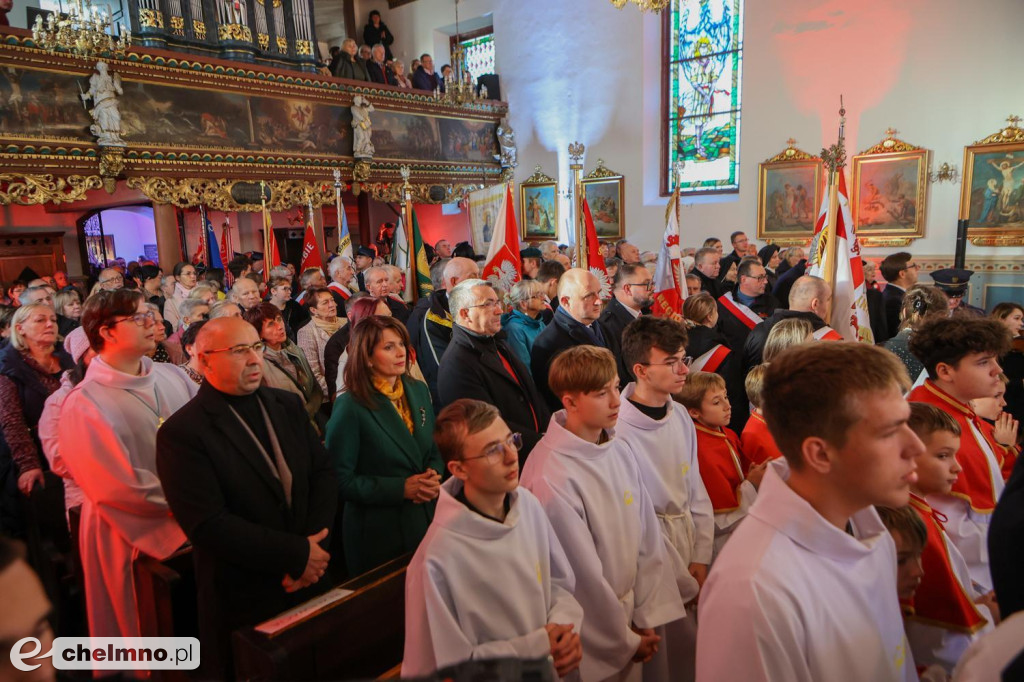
(575, 323)
(809, 300)
(707, 265)
(741, 310)
(632, 297)
(740, 244)
(247, 479)
(364, 261)
(900, 271)
(378, 68)
(478, 364)
(378, 283)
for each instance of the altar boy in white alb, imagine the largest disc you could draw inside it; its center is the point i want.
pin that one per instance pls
(662, 435)
(805, 590)
(589, 483)
(490, 578)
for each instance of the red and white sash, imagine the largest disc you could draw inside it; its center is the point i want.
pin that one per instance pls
(710, 361)
(740, 311)
(827, 333)
(340, 290)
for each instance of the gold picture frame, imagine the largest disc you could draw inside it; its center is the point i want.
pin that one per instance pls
(786, 208)
(605, 192)
(538, 206)
(890, 192)
(992, 193)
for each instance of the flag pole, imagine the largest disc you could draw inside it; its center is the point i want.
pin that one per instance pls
(576, 150)
(410, 267)
(206, 235)
(834, 158)
(337, 204)
(680, 275)
(268, 233)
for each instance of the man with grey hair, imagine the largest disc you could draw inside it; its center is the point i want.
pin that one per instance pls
(45, 294)
(192, 310)
(627, 252)
(341, 270)
(575, 323)
(549, 249)
(110, 279)
(378, 284)
(245, 293)
(478, 364)
(310, 277)
(430, 324)
(378, 68)
(808, 300)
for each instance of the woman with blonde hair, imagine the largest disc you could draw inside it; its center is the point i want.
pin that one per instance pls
(921, 302)
(789, 332)
(398, 69)
(69, 304)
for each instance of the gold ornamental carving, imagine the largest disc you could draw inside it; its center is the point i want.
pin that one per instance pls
(199, 29)
(361, 171)
(234, 32)
(111, 166)
(264, 40)
(1012, 132)
(538, 176)
(890, 145)
(601, 172)
(391, 192)
(282, 44)
(26, 190)
(304, 47)
(149, 18)
(874, 242)
(1010, 240)
(216, 194)
(791, 153)
(178, 26)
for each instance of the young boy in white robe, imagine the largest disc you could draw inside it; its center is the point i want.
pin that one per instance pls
(661, 434)
(805, 590)
(489, 579)
(590, 485)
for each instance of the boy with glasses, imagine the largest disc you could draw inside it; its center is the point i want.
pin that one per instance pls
(107, 439)
(490, 578)
(663, 436)
(591, 487)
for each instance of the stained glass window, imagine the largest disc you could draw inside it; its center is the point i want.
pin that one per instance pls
(705, 59)
(479, 55)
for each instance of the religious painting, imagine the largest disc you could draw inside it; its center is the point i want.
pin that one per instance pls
(297, 125)
(604, 191)
(405, 136)
(992, 194)
(788, 197)
(704, 56)
(467, 140)
(890, 189)
(538, 207)
(163, 114)
(484, 207)
(43, 105)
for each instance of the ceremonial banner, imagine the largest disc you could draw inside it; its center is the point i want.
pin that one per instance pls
(669, 286)
(310, 250)
(211, 239)
(502, 267)
(226, 248)
(849, 292)
(485, 209)
(200, 255)
(271, 255)
(416, 269)
(595, 263)
(344, 238)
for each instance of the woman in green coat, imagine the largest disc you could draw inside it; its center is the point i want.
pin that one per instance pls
(381, 435)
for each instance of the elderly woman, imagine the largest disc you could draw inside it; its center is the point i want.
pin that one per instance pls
(324, 323)
(162, 352)
(398, 70)
(921, 302)
(350, 65)
(284, 364)
(381, 438)
(69, 304)
(185, 280)
(523, 325)
(30, 370)
(188, 351)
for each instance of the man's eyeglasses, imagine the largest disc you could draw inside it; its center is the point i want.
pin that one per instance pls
(759, 278)
(671, 363)
(492, 302)
(646, 285)
(912, 266)
(239, 350)
(116, 279)
(496, 452)
(141, 319)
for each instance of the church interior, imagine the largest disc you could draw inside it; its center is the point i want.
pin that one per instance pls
(160, 132)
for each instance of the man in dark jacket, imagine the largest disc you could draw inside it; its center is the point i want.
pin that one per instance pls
(809, 301)
(785, 282)
(378, 283)
(430, 323)
(900, 271)
(376, 32)
(741, 310)
(478, 364)
(378, 69)
(631, 298)
(740, 243)
(575, 323)
(252, 487)
(707, 266)
(424, 78)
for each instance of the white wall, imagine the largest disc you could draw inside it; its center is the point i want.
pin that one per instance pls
(938, 71)
(131, 227)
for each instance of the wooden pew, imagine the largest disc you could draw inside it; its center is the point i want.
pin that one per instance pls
(359, 636)
(166, 595)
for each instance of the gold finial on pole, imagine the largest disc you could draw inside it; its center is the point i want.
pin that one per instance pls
(576, 150)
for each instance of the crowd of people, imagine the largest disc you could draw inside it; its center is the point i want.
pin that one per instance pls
(731, 493)
(373, 61)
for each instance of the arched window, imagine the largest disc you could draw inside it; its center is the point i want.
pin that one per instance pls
(701, 79)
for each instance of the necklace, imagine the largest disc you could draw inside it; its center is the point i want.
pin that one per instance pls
(159, 417)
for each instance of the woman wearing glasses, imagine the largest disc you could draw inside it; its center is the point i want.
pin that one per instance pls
(523, 324)
(30, 369)
(284, 366)
(185, 280)
(381, 436)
